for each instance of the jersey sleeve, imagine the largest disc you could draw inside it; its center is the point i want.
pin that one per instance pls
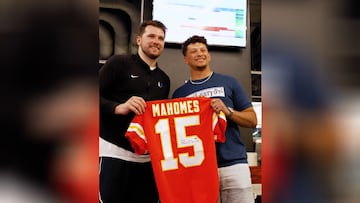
(219, 126)
(135, 134)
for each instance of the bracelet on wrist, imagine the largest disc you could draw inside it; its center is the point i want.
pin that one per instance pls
(231, 110)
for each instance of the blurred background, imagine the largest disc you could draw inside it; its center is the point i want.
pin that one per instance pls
(309, 91)
(49, 61)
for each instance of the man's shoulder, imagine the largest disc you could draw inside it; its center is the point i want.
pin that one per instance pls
(223, 76)
(179, 91)
(118, 59)
(226, 79)
(162, 72)
(182, 85)
(114, 62)
(121, 56)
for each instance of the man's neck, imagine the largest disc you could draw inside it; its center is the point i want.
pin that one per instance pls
(146, 59)
(200, 74)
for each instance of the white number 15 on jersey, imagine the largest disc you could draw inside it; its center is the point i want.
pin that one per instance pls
(170, 162)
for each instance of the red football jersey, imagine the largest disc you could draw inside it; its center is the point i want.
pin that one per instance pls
(179, 134)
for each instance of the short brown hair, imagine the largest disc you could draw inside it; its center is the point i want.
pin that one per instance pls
(191, 40)
(154, 23)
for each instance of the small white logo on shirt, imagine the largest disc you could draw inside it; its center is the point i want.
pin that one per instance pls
(134, 76)
(209, 92)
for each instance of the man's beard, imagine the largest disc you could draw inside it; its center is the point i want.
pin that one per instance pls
(150, 55)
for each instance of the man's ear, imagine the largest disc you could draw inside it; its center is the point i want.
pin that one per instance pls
(138, 40)
(185, 60)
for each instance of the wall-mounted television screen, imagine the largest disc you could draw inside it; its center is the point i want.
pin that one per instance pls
(222, 22)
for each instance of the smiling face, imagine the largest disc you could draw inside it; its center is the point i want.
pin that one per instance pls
(151, 42)
(197, 56)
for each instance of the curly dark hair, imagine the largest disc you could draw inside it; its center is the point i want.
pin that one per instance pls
(191, 40)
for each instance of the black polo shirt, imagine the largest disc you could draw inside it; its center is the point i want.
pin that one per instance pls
(122, 77)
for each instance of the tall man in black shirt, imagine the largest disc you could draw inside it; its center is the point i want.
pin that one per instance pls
(126, 82)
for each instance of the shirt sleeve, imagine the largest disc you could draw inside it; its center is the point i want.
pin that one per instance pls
(135, 134)
(219, 126)
(241, 99)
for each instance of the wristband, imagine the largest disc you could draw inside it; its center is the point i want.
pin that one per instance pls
(231, 112)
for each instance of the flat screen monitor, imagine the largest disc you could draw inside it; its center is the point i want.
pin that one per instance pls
(222, 22)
